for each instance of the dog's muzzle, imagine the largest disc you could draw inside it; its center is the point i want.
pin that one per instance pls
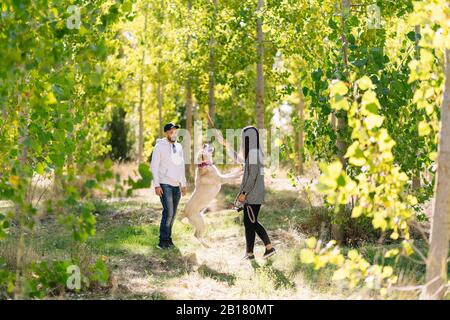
(203, 164)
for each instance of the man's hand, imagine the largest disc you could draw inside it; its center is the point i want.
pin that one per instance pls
(241, 197)
(159, 191)
(183, 190)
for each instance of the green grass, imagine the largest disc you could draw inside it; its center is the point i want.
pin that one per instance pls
(127, 233)
(206, 271)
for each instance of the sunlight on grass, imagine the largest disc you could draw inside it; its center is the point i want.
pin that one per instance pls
(128, 232)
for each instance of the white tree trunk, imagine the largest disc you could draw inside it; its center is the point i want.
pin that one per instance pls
(23, 121)
(299, 136)
(160, 105)
(212, 68)
(416, 181)
(188, 97)
(337, 230)
(341, 122)
(260, 69)
(189, 122)
(437, 264)
(141, 96)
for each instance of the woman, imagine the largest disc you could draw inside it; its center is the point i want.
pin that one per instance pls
(251, 192)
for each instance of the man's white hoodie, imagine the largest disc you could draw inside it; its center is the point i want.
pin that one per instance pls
(168, 164)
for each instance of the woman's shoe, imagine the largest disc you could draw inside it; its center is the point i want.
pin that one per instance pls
(269, 253)
(249, 257)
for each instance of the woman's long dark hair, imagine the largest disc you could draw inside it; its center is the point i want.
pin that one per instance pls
(247, 142)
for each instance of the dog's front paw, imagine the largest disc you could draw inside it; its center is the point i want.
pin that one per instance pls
(184, 220)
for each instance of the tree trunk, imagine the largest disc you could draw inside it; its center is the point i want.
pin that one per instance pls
(212, 68)
(299, 141)
(336, 229)
(416, 181)
(341, 121)
(23, 119)
(160, 105)
(189, 108)
(436, 276)
(141, 96)
(333, 121)
(141, 124)
(260, 68)
(235, 102)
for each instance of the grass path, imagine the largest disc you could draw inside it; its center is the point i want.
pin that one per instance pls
(128, 232)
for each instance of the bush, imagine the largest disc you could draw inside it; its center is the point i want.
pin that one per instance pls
(318, 221)
(6, 281)
(51, 278)
(119, 129)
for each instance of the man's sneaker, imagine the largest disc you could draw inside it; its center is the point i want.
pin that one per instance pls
(269, 253)
(163, 245)
(170, 243)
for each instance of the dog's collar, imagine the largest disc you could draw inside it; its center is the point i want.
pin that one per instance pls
(203, 164)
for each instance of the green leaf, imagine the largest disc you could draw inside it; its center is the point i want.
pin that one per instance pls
(372, 107)
(307, 256)
(424, 128)
(90, 184)
(127, 6)
(338, 88)
(333, 170)
(341, 181)
(357, 161)
(50, 99)
(265, 28)
(365, 83)
(339, 102)
(40, 168)
(356, 212)
(411, 36)
(373, 121)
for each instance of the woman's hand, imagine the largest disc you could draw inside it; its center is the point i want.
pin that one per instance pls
(241, 197)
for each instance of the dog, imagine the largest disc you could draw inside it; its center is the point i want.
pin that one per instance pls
(208, 182)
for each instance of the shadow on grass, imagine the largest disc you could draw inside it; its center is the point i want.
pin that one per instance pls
(137, 246)
(123, 239)
(279, 278)
(206, 271)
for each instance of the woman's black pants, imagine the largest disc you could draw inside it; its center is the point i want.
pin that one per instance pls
(253, 227)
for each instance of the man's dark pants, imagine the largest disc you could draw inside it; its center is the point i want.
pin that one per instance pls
(169, 200)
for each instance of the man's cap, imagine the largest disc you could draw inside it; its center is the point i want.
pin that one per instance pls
(169, 126)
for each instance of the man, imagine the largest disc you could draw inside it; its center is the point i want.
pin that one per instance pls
(168, 171)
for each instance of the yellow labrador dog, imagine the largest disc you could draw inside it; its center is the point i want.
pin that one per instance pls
(208, 181)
